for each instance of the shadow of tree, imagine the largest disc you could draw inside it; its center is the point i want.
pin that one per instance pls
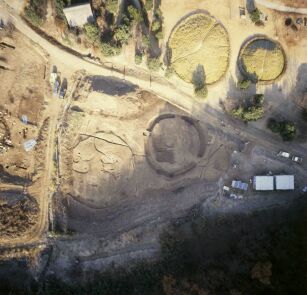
(111, 86)
(199, 77)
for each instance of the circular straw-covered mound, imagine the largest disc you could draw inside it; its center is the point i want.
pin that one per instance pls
(199, 41)
(262, 60)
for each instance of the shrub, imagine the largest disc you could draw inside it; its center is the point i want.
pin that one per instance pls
(32, 16)
(286, 129)
(92, 33)
(244, 84)
(255, 16)
(135, 14)
(149, 4)
(156, 25)
(138, 58)
(252, 112)
(201, 92)
(112, 6)
(169, 72)
(108, 49)
(153, 63)
(145, 41)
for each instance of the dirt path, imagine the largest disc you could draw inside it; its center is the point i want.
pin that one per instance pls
(280, 7)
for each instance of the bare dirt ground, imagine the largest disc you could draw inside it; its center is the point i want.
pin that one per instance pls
(291, 3)
(22, 94)
(119, 151)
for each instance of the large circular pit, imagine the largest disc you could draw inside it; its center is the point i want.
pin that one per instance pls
(262, 60)
(175, 144)
(199, 40)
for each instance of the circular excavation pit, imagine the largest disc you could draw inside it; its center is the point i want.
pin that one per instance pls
(262, 60)
(175, 144)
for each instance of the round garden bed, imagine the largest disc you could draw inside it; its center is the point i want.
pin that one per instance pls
(262, 60)
(199, 40)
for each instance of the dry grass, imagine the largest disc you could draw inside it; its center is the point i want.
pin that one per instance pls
(199, 40)
(263, 58)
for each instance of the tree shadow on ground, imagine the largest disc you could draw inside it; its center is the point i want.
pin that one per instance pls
(199, 77)
(111, 86)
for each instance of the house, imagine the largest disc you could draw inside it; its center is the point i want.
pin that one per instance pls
(79, 15)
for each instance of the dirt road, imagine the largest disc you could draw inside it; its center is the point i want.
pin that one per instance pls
(280, 7)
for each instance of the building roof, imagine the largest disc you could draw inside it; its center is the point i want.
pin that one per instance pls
(78, 15)
(264, 183)
(284, 182)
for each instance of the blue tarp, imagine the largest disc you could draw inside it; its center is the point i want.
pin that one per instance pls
(239, 185)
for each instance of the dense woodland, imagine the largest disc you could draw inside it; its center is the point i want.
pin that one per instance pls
(259, 253)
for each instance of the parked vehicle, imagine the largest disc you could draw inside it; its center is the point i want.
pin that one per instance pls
(56, 87)
(297, 159)
(62, 93)
(284, 154)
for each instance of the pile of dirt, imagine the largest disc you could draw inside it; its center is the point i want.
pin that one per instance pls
(199, 40)
(18, 213)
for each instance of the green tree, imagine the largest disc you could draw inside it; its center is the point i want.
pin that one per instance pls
(255, 16)
(286, 129)
(122, 34)
(108, 49)
(112, 6)
(156, 25)
(135, 14)
(252, 111)
(92, 33)
(148, 4)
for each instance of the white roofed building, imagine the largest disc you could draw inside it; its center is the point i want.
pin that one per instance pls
(264, 183)
(78, 15)
(284, 182)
